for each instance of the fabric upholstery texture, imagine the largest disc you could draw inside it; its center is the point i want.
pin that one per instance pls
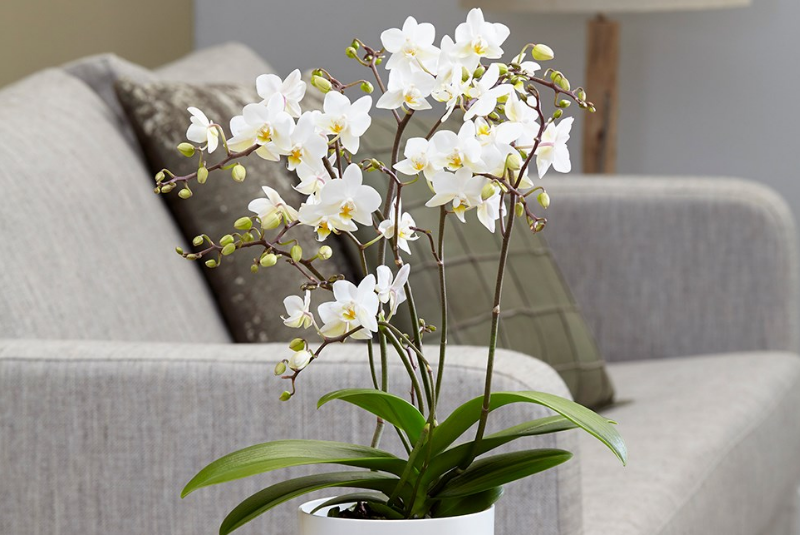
(251, 304)
(99, 438)
(91, 253)
(228, 63)
(664, 267)
(539, 316)
(713, 444)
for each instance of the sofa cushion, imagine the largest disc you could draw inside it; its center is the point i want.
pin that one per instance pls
(226, 63)
(713, 444)
(539, 315)
(251, 304)
(89, 249)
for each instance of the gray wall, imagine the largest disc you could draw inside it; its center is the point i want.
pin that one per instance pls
(704, 93)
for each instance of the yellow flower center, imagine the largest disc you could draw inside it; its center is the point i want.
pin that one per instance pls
(480, 46)
(337, 126)
(419, 164)
(296, 155)
(455, 160)
(347, 209)
(265, 134)
(349, 313)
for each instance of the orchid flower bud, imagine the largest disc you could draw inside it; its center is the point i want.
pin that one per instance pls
(211, 263)
(197, 241)
(323, 84)
(300, 359)
(268, 260)
(280, 368)
(202, 175)
(542, 52)
(185, 193)
(544, 199)
(286, 396)
(243, 223)
(297, 253)
(325, 252)
(239, 172)
(187, 149)
(228, 249)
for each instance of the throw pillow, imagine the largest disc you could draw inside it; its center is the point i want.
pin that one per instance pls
(250, 303)
(539, 314)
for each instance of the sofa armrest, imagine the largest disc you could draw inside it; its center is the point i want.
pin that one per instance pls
(100, 437)
(667, 267)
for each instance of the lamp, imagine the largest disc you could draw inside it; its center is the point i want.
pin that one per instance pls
(602, 62)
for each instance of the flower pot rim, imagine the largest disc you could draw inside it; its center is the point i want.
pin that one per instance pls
(307, 507)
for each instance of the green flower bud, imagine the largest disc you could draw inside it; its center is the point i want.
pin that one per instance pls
(350, 52)
(514, 161)
(202, 175)
(325, 252)
(355, 44)
(494, 116)
(197, 241)
(519, 209)
(247, 237)
(503, 68)
(488, 191)
(286, 396)
(225, 240)
(464, 74)
(243, 223)
(192, 256)
(254, 268)
(544, 199)
(581, 94)
(564, 103)
(367, 87)
(271, 221)
(239, 172)
(542, 53)
(187, 149)
(323, 84)
(564, 83)
(185, 193)
(539, 226)
(268, 260)
(479, 71)
(298, 344)
(160, 176)
(378, 61)
(297, 253)
(502, 99)
(228, 249)
(156, 190)
(557, 114)
(211, 263)
(280, 368)
(167, 188)
(179, 250)
(592, 109)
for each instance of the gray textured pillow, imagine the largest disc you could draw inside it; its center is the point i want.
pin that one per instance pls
(249, 303)
(539, 315)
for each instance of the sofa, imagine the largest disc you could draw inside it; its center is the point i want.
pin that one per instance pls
(118, 378)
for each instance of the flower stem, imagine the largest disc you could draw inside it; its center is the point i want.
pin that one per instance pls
(443, 294)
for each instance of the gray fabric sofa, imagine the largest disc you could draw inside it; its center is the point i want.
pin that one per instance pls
(118, 379)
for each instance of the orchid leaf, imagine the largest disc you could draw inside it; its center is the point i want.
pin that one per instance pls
(264, 500)
(391, 408)
(466, 505)
(285, 453)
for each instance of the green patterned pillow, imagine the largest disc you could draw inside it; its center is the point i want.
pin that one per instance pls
(539, 315)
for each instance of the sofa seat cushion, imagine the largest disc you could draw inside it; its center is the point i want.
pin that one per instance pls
(713, 444)
(89, 247)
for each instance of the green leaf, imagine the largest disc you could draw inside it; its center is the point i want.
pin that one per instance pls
(285, 453)
(467, 414)
(466, 505)
(264, 500)
(449, 459)
(491, 472)
(391, 408)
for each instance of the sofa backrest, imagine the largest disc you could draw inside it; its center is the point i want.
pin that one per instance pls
(88, 248)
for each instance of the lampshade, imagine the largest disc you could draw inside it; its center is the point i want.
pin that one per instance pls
(598, 6)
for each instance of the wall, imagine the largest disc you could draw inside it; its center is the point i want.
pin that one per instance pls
(41, 33)
(704, 93)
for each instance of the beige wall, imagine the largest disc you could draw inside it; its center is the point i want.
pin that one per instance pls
(40, 33)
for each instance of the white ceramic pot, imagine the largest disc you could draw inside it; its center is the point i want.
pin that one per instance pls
(319, 524)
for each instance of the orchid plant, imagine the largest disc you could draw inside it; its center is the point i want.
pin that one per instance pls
(483, 168)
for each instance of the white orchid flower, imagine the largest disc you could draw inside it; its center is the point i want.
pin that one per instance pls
(409, 89)
(405, 231)
(267, 126)
(486, 94)
(477, 39)
(202, 130)
(411, 47)
(306, 145)
(490, 210)
(522, 114)
(312, 178)
(343, 202)
(392, 289)
(417, 158)
(553, 148)
(461, 188)
(345, 120)
(298, 314)
(292, 90)
(353, 307)
(450, 83)
(496, 142)
(273, 205)
(456, 151)
(300, 359)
